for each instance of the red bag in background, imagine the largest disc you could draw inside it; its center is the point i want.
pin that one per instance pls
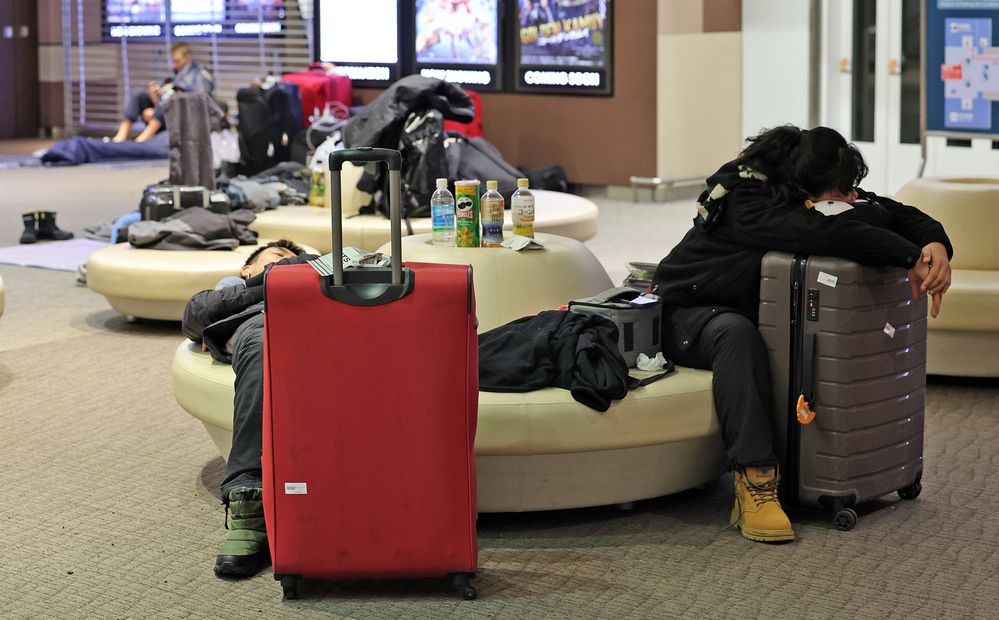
(473, 129)
(319, 87)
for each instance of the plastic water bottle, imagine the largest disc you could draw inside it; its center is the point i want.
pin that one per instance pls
(491, 215)
(442, 215)
(522, 210)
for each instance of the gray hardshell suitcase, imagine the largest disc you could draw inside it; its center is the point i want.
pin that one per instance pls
(847, 350)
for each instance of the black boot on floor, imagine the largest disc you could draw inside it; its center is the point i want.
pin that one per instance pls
(30, 229)
(47, 228)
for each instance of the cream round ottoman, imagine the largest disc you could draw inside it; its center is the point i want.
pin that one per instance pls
(541, 450)
(157, 284)
(964, 339)
(508, 284)
(557, 213)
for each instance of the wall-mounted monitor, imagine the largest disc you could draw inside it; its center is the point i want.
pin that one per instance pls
(361, 37)
(192, 18)
(458, 41)
(564, 46)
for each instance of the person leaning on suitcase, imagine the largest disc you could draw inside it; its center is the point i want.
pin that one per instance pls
(229, 323)
(709, 282)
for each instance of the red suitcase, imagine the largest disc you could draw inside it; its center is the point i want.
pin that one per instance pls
(471, 129)
(370, 405)
(319, 87)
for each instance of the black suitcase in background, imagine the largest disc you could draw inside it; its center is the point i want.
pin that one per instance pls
(847, 350)
(161, 201)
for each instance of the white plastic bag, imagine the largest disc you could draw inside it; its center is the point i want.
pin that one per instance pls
(225, 147)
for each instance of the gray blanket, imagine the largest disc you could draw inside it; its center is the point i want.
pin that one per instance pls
(195, 228)
(189, 120)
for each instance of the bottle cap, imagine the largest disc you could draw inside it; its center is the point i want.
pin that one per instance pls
(492, 184)
(441, 183)
(522, 183)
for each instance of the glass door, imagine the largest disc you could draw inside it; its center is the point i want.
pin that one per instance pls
(870, 84)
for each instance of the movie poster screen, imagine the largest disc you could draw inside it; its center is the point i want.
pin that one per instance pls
(459, 32)
(135, 11)
(563, 33)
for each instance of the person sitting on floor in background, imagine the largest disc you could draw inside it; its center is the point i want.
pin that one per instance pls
(188, 77)
(762, 201)
(229, 323)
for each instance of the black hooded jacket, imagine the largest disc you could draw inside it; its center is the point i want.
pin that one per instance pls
(577, 352)
(716, 267)
(212, 317)
(380, 124)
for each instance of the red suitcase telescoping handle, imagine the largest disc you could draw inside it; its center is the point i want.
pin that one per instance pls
(369, 286)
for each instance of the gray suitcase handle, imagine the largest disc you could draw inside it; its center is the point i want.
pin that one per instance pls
(367, 287)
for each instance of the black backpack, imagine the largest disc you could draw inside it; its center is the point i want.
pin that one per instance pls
(423, 162)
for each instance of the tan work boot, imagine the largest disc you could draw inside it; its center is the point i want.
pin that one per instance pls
(757, 510)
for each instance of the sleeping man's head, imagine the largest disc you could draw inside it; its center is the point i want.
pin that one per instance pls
(268, 255)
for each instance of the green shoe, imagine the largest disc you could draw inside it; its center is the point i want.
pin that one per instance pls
(245, 548)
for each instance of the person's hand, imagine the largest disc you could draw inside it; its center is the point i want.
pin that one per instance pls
(917, 278)
(917, 274)
(935, 256)
(154, 92)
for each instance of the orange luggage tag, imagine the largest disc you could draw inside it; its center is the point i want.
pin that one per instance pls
(805, 413)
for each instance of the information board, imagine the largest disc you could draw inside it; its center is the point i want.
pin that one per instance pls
(962, 67)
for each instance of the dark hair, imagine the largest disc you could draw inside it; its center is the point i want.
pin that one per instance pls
(801, 163)
(280, 243)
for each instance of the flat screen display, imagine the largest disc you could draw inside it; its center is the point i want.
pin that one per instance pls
(457, 32)
(245, 9)
(364, 31)
(564, 45)
(136, 11)
(197, 11)
(192, 18)
(361, 37)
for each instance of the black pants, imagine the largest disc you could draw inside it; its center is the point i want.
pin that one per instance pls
(243, 467)
(731, 347)
(139, 101)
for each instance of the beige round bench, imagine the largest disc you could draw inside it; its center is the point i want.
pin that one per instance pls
(557, 213)
(964, 339)
(541, 450)
(538, 450)
(157, 284)
(530, 280)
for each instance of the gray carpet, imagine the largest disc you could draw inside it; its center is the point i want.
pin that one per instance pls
(110, 506)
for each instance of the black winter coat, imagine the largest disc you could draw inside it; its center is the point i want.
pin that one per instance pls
(212, 317)
(380, 124)
(718, 269)
(577, 352)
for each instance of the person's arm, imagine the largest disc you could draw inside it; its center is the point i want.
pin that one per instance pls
(912, 223)
(929, 234)
(754, 220)
(208, 307)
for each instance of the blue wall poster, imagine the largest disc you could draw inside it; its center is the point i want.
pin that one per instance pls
(962, 66)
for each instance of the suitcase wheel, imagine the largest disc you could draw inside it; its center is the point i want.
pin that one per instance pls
(844, 519)
(912, 491)
(461, 583)
(289, 585)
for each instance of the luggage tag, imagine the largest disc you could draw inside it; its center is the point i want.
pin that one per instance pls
(643, 301)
